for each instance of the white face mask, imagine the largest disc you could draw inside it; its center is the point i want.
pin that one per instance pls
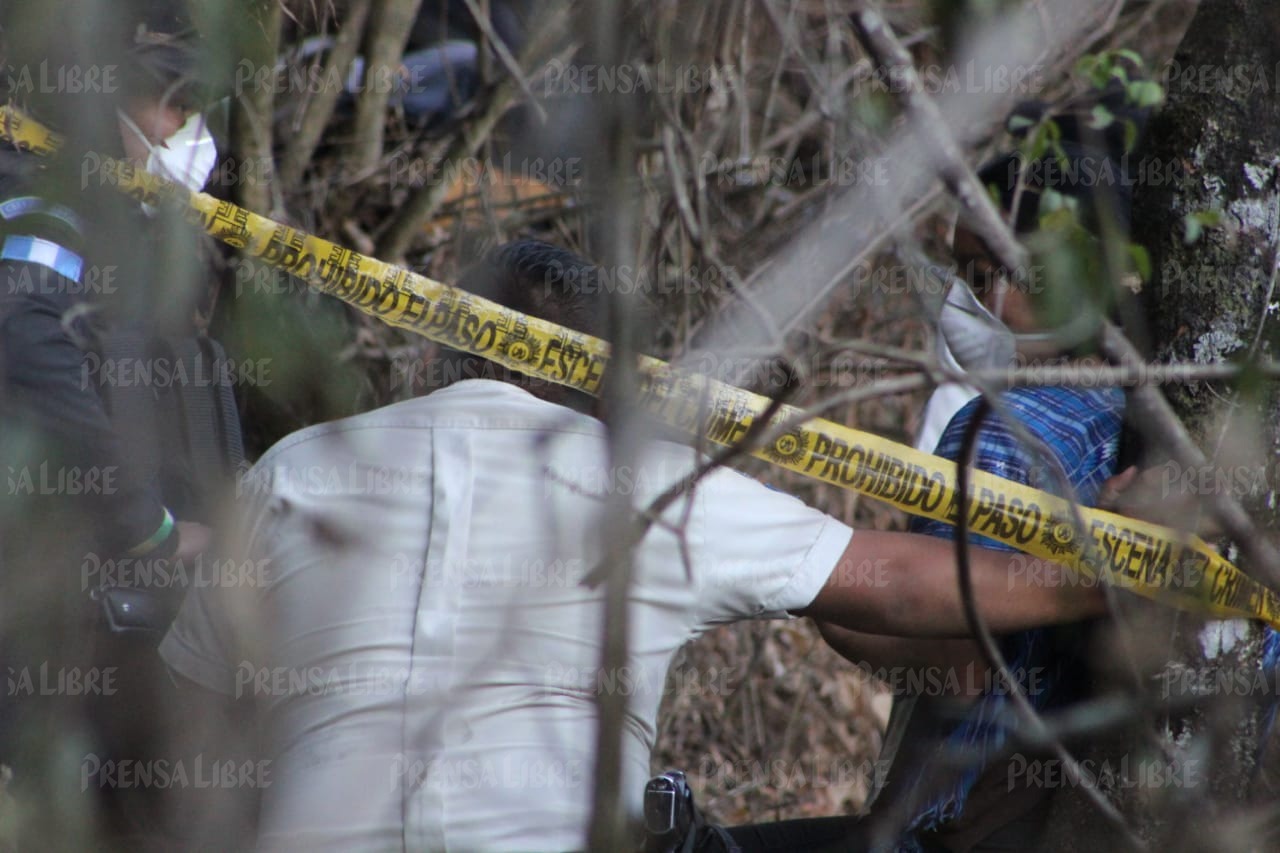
(976, 338)
(187, 157)
(973, 338)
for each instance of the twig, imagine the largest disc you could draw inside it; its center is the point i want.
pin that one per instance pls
(251, 125)
(388, 34)
(319, 109)
(1156, 415)
(614, 125)
(677, 185)
(927, 118)
(791, 40)
(398, 234)
(1156, 418)
(1133, 374)
(1027, 713)
(504, 54)
(653, 512)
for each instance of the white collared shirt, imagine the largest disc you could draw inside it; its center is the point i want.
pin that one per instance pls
(425, 657)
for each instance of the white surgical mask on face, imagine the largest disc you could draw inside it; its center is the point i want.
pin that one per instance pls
(976, 338)
(187, 157)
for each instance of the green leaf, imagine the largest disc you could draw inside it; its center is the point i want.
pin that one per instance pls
(993, 190)
(1193, 224)
(1058, 213)
(1098, 75)
(1060, 154)
(1100, 69)
(1130, 135)
(1191, 229)
(1100, 117)
(1145, 93)
(1038, 144)
(1132, 56)
(1141, 260)
(1087, 65)
(1017, 123)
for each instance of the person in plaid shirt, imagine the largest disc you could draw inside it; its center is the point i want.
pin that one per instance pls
(947, 784)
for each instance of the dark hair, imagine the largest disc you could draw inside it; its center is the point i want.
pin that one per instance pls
(543, 281)
(165, 65)
(1094, 167)
(1097, 172)
(74, 62)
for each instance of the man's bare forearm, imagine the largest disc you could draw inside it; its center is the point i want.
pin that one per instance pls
(911, 588)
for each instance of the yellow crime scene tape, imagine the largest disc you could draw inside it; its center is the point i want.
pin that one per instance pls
(1154, 561)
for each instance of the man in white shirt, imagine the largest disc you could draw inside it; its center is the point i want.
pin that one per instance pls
(422, 652)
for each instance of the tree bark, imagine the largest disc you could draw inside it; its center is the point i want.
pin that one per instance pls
(384, 49)
(258, 38)
(1215, 146)
(318, 110)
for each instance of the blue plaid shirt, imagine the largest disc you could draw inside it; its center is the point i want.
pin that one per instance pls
(1081, 427)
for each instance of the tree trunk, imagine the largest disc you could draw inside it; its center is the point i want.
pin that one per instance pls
(385, 40)
(1215, 146)
(258, 38)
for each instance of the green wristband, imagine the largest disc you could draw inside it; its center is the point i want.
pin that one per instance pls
(154, 541)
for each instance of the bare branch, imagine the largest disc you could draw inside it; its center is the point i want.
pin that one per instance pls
(930, 124)
(653, 512)
(1152, 414)
(1028, 715)
(319, 109)
(504, 54)
(251, 124)
(388, 34)
(399, 232)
